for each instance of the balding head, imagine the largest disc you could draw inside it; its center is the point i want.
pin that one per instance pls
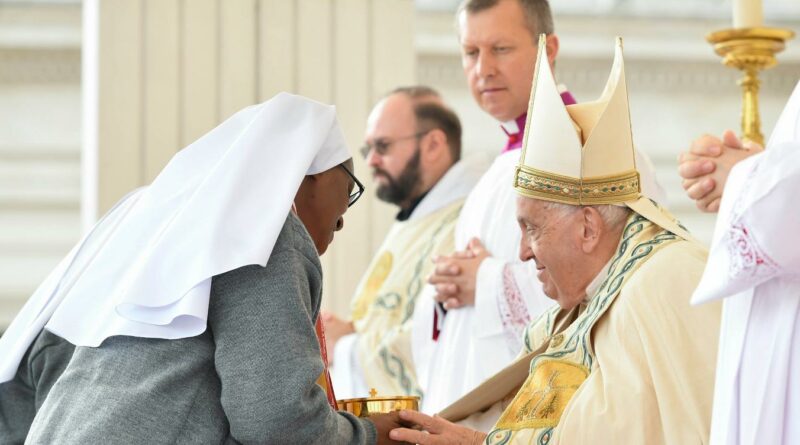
(412, 140)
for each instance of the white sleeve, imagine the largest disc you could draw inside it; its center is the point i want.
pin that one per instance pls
(507, 297)
(483, 421)
(488, 290)
(423, 344)
(346, 374)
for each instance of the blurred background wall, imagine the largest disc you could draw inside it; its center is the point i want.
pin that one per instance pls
(40, 140)
(96, 96)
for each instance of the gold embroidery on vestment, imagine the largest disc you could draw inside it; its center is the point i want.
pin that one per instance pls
(374, 283)
(543, 396)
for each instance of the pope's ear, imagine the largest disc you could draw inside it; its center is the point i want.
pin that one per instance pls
(592, 228)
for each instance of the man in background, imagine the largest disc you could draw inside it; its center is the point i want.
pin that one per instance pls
(413, 146)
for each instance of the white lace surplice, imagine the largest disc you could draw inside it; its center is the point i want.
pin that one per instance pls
(754, 264)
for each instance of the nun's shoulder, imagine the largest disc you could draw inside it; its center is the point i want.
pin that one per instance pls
(294, 236)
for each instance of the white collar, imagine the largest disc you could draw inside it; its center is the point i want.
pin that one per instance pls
(511, 126)
(455, 184)
(594, 285)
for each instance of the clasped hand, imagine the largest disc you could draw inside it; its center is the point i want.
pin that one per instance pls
(454, 276)
(706, 166)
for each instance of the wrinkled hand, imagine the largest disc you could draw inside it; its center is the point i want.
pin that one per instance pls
(454, 275)
(436, 431)
(385, 424)
(335, 328)
(705, 168)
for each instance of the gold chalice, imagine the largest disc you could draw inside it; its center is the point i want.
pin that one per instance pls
(366, 406)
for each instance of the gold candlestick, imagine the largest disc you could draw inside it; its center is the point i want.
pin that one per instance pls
(750, 50)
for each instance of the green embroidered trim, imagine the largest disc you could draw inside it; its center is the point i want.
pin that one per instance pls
(397, 370)
(617, 274)
(579, 335)
(388, 301)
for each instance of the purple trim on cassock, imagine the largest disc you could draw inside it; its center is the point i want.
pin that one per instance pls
(566, 96)
(515, 139)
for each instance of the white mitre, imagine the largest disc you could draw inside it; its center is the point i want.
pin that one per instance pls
(583, 154)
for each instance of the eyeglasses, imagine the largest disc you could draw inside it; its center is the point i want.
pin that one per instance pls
(381, 146)
(359, 187)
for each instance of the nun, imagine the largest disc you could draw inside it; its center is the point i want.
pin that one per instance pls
(188, 313)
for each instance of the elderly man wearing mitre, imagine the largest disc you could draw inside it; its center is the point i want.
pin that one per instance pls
(623, 358)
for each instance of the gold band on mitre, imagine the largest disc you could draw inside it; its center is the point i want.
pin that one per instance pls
(614, 189)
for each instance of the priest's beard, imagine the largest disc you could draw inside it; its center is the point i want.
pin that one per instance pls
(398, 190)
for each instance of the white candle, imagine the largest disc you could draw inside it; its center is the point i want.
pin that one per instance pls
(747, 14)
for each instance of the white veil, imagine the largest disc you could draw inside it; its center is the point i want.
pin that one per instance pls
(145, 269)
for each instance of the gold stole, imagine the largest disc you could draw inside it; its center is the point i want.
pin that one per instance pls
(557, 373)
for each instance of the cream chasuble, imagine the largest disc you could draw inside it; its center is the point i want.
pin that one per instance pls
(635, 366)
(385, 299)
(379, 354)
